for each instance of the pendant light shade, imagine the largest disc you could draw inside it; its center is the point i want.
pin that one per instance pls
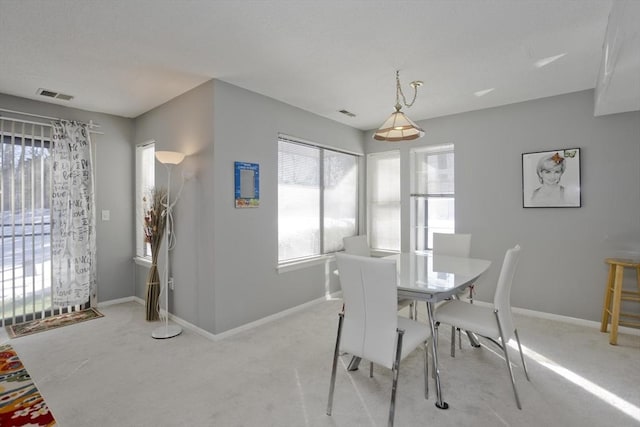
(399, 127)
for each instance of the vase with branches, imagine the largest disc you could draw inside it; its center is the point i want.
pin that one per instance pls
(155, 222)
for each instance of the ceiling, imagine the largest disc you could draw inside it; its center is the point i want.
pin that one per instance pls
(125, 57)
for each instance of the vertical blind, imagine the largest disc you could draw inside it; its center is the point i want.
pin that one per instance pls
(25, 223)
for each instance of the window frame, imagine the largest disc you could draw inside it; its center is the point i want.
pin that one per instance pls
(323, 255)
(415, 193)
(395, 154)
(142, 249)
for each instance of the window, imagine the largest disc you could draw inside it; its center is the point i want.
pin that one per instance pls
(145, 177)
(433, 195)
(25, 221)
(317, 199)
(383, 199)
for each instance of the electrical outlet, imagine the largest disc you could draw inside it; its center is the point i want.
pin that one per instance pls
(171, 284)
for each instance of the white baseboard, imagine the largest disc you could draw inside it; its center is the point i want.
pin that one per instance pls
(296, 309)
(564, 319)
(230, 332)
(118, 301)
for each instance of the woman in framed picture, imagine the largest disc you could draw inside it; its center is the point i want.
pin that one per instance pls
(549, 170)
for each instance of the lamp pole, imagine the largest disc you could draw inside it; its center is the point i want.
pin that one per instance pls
(168, 159)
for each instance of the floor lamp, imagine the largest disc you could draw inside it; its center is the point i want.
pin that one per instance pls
(168, 159)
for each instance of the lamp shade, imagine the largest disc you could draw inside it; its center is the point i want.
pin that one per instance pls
(169, 157)
(398, 127)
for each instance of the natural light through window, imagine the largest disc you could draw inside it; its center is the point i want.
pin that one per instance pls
(548, 60)
(317, 199)
(145, 176)
(432, 194)
(383, 200)
(484, 92)
(612, 399)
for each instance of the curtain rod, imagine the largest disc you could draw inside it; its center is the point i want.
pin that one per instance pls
(22, 113)
(90, 124)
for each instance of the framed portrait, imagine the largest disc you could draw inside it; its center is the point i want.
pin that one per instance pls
(551, 179)
(247, 184)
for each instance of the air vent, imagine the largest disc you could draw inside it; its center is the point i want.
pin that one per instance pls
(51, 94)
(64, 97)
(347, 113)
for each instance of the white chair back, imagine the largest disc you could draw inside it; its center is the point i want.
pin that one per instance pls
(356, 245)
(370, 307)
(452, 244)
(502, 297)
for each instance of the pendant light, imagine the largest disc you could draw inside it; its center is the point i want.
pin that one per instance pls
(399, 127)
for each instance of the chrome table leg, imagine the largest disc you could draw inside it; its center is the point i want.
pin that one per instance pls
(434, 350)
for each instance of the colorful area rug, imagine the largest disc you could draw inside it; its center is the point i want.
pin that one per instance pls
(39, 325)
(21, 404)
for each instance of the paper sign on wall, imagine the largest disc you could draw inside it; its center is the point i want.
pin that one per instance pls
(247, 184)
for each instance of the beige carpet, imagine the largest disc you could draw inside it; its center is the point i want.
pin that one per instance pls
(110, 372)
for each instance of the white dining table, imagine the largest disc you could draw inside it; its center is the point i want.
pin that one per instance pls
(423, 276)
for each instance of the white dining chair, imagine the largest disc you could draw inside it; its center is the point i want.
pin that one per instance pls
(494, 323)
(358, 245)
(452, 244)
(459, 245)
(369, 326)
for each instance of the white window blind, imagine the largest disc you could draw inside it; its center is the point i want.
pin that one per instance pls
(383, 200)
(145, 177)
(317, 199)
(432, 195)
(25, 222)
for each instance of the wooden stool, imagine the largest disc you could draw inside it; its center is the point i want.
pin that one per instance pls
(614, 294)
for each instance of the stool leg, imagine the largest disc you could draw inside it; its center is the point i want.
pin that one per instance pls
(608, 291)
(617, 295)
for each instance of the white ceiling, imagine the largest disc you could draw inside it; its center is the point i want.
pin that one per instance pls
(125, 57)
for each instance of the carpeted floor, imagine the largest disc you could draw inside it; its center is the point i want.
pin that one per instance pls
(110, 372)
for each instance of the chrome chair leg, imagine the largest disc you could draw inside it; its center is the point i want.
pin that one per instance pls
(433, 362)
(453, 341)
(524, 365)
(354, 363)
(473, 340)
(396, 372)
(426, 369)
(506, 357)
(335, 365)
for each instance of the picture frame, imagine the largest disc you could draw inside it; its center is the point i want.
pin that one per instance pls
(247, 185)
(551, 179)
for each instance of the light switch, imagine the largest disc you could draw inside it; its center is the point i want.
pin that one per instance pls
(106, 215)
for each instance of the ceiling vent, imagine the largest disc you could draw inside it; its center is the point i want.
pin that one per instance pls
(51, 94)
(347, 113)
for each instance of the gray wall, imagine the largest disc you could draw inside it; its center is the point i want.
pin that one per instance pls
(114, 176)
(562, 269)
(224, 264)
(186, 124)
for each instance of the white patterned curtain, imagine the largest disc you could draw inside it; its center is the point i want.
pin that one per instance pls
(73, 246)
